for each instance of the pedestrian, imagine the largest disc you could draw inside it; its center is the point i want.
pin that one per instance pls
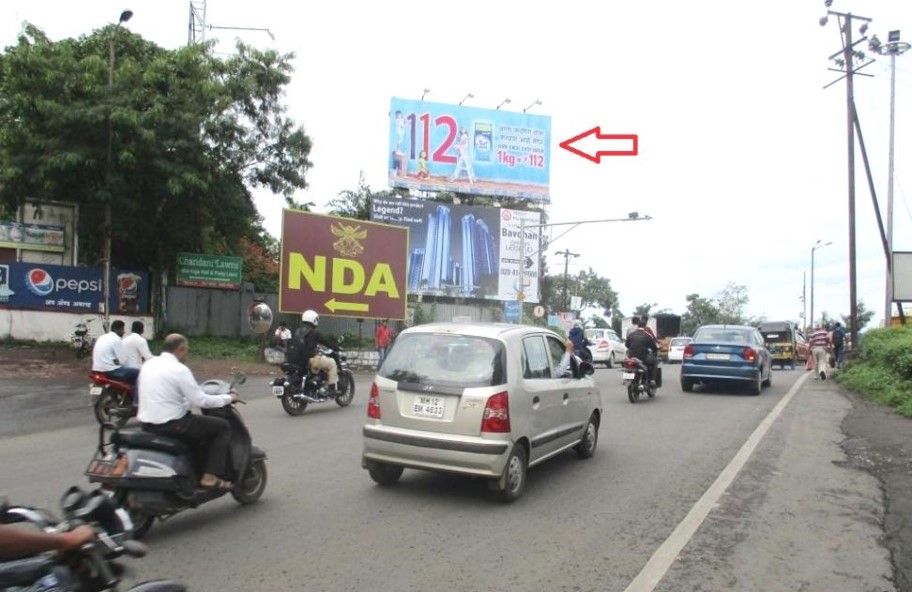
(837, 337)
(819, 342)
(282, 335)
(383, 336)
(136, 346)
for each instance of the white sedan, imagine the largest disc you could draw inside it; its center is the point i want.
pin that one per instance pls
(676, 349)
(606, 347)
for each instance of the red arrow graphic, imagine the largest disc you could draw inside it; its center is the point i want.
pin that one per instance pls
(627, 139)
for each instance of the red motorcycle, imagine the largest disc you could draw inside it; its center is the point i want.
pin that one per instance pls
(112, 399)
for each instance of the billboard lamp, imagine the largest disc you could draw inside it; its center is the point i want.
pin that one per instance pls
(468, 96)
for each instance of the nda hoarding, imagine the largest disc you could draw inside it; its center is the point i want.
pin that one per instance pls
(439, 147)
(71, 289)
(343, 267)
(466, 251)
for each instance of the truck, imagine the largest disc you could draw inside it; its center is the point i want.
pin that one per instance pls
(664, 325)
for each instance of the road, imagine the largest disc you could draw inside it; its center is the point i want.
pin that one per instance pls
(646, 509)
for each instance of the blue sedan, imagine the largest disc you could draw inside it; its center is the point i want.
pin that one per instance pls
(730, 354)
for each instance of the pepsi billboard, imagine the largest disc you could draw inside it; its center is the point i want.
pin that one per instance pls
(71, 289)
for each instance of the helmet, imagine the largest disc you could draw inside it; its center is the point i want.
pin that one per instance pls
(311, 317)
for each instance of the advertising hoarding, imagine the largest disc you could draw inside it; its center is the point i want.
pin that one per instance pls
(197, 270)
(440, 147)
(71, 289)
(33, 237)
(342, 267)
(902, 276)
(465, 251)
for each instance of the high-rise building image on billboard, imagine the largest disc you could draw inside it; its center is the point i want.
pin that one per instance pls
(436, 264)
(478, 258)
(416, 265)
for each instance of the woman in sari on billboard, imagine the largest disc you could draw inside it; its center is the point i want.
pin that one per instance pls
(464, 157)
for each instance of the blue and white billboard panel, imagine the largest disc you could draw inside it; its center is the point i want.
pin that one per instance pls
(441, 147)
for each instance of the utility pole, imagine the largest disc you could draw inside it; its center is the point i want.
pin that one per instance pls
(847, 61)
(566, 254)
(804, 313)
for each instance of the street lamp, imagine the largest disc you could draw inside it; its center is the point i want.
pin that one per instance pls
(536, 102)
(468, 96)
(424, 94)
(106, 280)
(502, 103)
(818, 245)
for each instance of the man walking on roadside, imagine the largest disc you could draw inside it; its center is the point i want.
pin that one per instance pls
(838, 339)
(383, 336)
(819, 342)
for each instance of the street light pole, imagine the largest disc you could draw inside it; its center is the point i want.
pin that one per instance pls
(108, 216)
(816, 246)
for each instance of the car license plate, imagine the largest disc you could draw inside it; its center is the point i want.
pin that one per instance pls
(629, 376)
(95, 391)
(718, 356)
(278, 391)
(428, 407)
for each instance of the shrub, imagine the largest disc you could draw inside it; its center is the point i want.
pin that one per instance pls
(883, 368)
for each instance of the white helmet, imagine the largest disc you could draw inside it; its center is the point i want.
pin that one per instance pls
(311, 317)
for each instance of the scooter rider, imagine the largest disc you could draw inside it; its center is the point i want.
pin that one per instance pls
(168, 390)
(309, 337)
(641, 345)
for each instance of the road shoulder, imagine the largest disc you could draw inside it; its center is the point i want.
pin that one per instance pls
(797, 517)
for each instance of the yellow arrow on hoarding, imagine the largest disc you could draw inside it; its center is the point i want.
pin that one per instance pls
(335, 305)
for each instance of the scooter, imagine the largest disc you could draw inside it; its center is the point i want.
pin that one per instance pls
(298, 386)
(81, 341)
(112, 400)
(635, 375)
(91, 568)
(155, 476)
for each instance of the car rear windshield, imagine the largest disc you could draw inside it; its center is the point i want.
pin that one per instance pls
(448, 360)
(721, 335)
(679, 342)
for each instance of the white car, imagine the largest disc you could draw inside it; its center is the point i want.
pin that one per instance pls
(676, 349)
(606, 347)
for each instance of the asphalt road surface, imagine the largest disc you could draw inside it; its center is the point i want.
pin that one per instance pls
(688, 491)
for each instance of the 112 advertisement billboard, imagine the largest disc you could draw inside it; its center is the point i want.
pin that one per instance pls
(465, 251)
(441, 147)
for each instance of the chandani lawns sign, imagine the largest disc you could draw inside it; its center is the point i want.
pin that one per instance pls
(209, 271)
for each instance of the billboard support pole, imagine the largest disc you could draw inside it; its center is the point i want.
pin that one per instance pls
(521, 259)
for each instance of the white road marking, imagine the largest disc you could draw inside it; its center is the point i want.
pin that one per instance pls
(663, 558)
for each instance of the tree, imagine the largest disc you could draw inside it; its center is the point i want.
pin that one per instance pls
(700, 311)
(598, 321)
(191, 134)
(353, 204)
(864, 317)
(731, 301)
(644, 310)
(594, 290)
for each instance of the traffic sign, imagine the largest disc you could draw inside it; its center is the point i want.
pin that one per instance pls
(539, 311)
(512, 310)
(342, 267)
(576, 302)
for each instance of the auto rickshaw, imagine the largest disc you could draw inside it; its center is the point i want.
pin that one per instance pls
(785, 343)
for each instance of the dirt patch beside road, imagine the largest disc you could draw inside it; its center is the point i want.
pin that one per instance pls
(879, 440)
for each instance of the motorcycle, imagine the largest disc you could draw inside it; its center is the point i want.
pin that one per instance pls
(299, 386)
(91, 568)
(635, 377)
(155, 476)
(81, 340)
(112, 399)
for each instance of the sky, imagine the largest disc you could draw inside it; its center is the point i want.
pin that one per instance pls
(742, 153)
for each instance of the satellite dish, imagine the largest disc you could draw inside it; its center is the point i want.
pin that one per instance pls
(259, 315)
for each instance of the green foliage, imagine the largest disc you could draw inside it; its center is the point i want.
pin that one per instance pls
(216, 347)
(731, 301)
(864, 317)
(882, 369)
(189, 132)
(700, 311)
(594, 290)
(644, 310)
(598, 321)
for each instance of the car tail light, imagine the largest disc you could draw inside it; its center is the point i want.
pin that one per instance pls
(630, 363)
(688, 351)
(373, 402)
(603, 344)
(749, 354)
(496, 416)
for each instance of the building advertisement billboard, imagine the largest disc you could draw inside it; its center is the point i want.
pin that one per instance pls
(71, 289)
(440, 147)
(464, 251)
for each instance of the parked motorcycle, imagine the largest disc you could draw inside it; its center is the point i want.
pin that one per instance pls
(155, 476)
(298, 386)
(112, 400)
(91, 568)
(636, 379)
(81, 340)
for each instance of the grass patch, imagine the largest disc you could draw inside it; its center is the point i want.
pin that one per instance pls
(882, 370)
(218, 348)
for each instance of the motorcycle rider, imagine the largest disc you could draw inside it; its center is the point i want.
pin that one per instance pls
(308, 337)
(168, 390)
(580, 343)
(17, 543)
(641, 345)
(109, 355)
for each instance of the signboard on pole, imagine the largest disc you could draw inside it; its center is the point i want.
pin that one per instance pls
(512, 311)
(343, 267)
(199, 270)
(576, 303)
(440, 147)
(465, 251)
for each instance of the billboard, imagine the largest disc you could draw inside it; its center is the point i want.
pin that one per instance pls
(440, 147)
(71, 289)
(33, 237)
(902, 276)
(197, 270)
(342, 267)
(466, 251)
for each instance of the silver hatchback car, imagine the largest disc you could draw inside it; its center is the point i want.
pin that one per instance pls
(480, 399)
